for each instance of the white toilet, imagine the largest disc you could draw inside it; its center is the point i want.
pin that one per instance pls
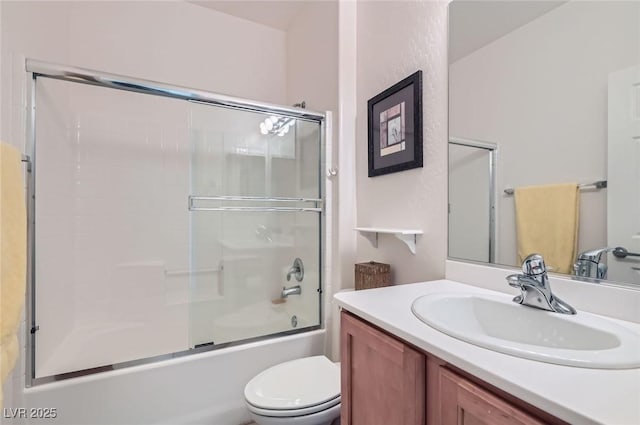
(299, 392)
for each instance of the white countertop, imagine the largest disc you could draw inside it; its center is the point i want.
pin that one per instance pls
(575, 395)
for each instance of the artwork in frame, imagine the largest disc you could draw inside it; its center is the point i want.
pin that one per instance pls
(395, 127)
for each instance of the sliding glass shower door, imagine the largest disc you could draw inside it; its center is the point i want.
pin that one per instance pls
(161, 226)
(255, 209)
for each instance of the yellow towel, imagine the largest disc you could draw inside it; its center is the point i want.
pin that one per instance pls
(547, 223)
(13, 249)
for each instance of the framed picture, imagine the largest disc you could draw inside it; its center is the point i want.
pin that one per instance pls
(395, 127)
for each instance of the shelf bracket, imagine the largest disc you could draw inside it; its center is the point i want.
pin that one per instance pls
(409, 240)
(409, 237)
(372, 237)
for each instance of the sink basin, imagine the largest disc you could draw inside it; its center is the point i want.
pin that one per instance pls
(498, 324)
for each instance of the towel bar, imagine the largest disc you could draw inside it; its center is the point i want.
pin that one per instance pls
(600, 184)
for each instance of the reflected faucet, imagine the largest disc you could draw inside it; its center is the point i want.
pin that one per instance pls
(296, 270)
(588, 264)
(535, 288)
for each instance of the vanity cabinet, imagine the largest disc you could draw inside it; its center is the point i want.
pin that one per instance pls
(385, 381)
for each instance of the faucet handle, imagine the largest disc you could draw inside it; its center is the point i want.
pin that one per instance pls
(534, 265)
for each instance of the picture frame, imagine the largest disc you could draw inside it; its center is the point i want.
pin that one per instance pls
(395, 127)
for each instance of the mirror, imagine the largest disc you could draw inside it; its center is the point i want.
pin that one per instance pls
(543, 93)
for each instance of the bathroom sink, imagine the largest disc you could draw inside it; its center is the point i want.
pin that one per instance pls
(498, 324)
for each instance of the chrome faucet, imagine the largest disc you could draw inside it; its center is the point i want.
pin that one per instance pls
(296, 270)
(535, 288)
(294, 290)
(588, 264)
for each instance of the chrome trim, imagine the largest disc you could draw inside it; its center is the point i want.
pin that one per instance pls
(322, 218)
(255, 209)
(30, 302)
(192, 206)
(492, 204)
(121, 82)
(600, 184)
(252, 198)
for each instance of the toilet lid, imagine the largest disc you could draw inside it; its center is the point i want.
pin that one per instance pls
(296, 384)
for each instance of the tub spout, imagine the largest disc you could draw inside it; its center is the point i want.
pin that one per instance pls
(294, 290)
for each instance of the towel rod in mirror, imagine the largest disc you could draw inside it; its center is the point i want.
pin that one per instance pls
(601, 184)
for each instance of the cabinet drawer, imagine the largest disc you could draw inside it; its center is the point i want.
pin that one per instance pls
(464, 403)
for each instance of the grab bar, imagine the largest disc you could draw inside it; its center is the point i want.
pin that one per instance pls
(600, 184)
(621, 252)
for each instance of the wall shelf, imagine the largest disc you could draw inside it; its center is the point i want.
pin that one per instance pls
(408, 236)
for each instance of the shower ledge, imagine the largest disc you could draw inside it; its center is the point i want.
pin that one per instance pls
(408, 236)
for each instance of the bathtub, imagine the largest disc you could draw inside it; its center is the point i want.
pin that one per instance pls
(205, 388)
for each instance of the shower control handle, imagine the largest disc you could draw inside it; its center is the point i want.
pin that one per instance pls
(297, 270)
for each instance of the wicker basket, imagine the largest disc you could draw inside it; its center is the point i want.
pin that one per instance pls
(372, 275)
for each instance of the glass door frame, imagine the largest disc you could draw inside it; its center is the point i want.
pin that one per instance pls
(38, 69)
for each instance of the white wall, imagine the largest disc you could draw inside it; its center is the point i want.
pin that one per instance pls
(312, 70)
(173, 42)
(540, 93)
(394, 40)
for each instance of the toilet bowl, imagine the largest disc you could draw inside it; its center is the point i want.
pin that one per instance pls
(298, 392)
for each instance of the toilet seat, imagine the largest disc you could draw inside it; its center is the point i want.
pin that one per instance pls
(295, 388)
(285, 413)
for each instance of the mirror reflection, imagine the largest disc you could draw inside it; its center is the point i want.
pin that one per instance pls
(544, 148)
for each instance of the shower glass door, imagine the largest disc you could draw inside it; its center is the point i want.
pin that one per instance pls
(255, 208)
(111, 227)
(162, 225)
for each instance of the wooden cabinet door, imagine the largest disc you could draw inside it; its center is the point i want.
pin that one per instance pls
(383, 380)
(464, 403)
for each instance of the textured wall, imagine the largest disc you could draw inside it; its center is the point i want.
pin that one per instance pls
(394, 39)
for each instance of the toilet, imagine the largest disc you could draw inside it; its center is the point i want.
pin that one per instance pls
(298, 392)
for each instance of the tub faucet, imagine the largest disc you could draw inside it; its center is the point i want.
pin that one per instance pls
(297, 270)
(535, 288)
(588, 264)
(294, 290)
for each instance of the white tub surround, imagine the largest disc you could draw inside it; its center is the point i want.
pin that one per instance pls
(575, 395)
(203, 388)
